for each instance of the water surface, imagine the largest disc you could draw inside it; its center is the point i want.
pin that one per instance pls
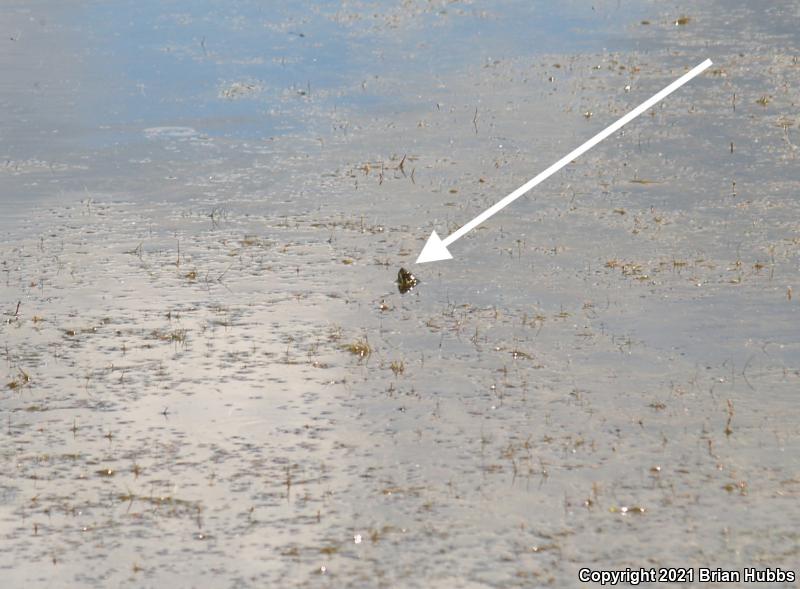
(210, 378)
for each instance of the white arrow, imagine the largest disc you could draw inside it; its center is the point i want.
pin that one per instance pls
(436, 248)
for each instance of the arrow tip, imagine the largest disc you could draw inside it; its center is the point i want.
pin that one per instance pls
(434, 250)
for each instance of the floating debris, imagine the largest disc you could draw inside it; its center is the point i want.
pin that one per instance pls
(625, 510)
(240, 90)
(740, 486)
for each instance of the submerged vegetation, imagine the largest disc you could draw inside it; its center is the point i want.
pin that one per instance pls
(20, 380)
(360, 348)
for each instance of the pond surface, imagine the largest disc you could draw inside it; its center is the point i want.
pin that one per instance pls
(210, 378)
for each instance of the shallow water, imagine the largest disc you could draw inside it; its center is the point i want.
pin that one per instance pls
(212, 380)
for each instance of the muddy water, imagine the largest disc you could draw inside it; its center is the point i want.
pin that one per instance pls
(210, 378)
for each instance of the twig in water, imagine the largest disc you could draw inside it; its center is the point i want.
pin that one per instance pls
(728, 430)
